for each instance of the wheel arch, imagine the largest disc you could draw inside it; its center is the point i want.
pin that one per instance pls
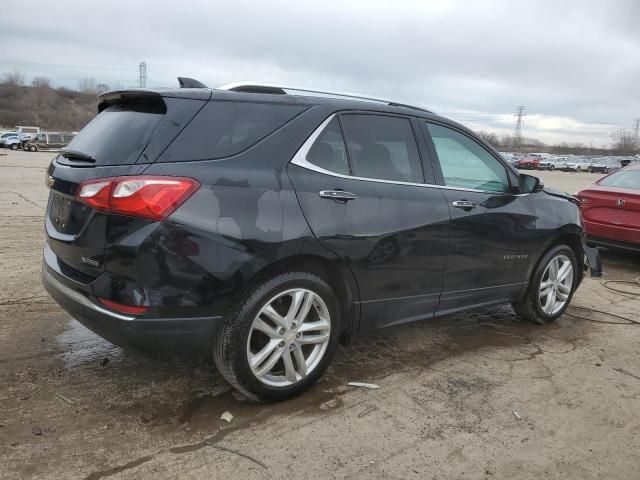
(570, 236)
(337, 275)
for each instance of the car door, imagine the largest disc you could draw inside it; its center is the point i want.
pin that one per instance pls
(493, 229)
(366, 200)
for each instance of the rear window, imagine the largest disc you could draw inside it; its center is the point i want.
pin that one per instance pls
(117, 135)
(622, 179)
(223, 129)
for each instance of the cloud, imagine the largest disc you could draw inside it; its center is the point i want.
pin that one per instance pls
(572, 60)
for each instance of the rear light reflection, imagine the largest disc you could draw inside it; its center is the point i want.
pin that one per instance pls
(122, 308)
(144, 196)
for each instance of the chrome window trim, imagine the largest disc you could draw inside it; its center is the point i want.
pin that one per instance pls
(300, 159)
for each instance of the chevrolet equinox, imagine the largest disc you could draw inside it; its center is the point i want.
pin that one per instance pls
(264, 225)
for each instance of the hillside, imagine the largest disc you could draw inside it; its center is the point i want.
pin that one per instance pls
(53, 109)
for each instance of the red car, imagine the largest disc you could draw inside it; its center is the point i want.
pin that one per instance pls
(528, 163)
(611, 209)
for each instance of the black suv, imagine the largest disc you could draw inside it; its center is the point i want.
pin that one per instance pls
(265, 226)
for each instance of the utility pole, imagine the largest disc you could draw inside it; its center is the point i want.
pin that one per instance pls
(517, 132)
(636, 130)
(143, 75)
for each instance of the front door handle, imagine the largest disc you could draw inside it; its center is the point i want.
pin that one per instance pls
(340, 195)
(466, 204)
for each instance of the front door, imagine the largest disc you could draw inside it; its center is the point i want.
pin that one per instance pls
(492, 226)
(366, 200)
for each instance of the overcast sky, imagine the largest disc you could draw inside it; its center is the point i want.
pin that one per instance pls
(575, 65)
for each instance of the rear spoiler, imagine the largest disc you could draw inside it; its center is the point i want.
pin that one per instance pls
(147, 99)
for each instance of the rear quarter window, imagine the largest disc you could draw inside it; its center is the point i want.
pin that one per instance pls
(224, 128)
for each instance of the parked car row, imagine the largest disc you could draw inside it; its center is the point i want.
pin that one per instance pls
(34, 142)
(569, 163)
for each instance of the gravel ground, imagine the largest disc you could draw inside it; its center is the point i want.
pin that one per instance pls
(480, 395)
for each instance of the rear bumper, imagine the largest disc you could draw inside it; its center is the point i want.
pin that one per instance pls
(170, 335)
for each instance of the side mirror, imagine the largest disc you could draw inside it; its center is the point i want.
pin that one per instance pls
(530, 184)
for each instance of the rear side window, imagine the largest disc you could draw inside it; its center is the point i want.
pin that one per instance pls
(328, 151)
(382, 147)
(116, 136)
(222, 129)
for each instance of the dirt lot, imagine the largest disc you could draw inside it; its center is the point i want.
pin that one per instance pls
(474, 396)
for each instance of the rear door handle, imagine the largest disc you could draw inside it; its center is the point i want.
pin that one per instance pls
(466, 204)
(337, 195)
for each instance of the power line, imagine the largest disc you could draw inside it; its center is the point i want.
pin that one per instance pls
(517, 132)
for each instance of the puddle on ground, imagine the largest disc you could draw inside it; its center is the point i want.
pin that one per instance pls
(189, 395)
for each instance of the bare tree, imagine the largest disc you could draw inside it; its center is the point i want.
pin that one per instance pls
(40, 82)
(87, 85)
(102, 87)
(624, 142)
(14, 78)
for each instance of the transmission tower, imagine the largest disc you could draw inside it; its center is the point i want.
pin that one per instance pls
(143, 74)
(517, 132)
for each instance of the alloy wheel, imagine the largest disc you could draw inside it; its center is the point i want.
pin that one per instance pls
(288, 337)
(556, 284)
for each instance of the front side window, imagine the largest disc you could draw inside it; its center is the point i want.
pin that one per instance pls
(382, 147)
(328, 151)
(466, 164)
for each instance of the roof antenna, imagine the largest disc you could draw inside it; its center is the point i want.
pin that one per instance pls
(186, 82)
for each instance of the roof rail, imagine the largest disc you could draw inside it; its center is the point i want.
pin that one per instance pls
(276, 89)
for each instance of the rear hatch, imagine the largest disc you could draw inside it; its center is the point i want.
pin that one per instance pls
(131, 129)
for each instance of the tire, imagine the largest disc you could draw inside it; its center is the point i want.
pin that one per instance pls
(552, 168)
(237, 339)
(531, 307)
(590, 170)
(14, 146)
(606, 170)
(33, 148)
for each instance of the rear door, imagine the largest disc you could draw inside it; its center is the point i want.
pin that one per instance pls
(366, 200)
(493, 229)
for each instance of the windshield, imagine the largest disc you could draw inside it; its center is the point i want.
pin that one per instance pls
(622, 179)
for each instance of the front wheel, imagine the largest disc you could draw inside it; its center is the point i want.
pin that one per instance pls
(33, 148)
(14, 146)
(551, 288)
(552, 168)
(280, 337)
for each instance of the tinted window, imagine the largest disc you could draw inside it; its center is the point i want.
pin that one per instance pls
(622, 179)
(222, 129)
(328, 151)
(382, 147)
(117, 135)
(466, 164)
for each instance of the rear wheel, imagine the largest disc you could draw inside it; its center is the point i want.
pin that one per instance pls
(590, 169)
(551, 168)
(280, 337)
(551, 288)
(14, 146)
(33, 148)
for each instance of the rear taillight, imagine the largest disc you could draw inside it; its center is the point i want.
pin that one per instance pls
(145, 196)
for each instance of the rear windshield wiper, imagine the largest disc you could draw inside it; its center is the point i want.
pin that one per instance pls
(75, 155)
